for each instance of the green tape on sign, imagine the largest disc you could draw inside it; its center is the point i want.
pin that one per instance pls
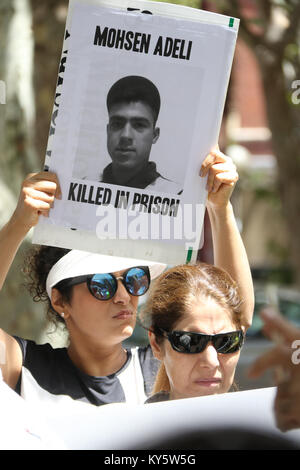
(189, 255)
(231, 22)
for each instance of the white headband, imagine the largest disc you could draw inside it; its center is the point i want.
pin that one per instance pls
(78, 263)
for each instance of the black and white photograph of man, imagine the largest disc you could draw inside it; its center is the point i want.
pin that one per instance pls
(136, 129)
(133, 105)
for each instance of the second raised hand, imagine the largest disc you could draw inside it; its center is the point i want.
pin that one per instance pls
(221, 177)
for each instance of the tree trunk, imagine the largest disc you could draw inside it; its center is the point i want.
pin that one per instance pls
(284, 123)
(19, 315)
(48, 28)
(271, 30)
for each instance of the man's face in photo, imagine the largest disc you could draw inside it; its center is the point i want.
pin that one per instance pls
(131, 132)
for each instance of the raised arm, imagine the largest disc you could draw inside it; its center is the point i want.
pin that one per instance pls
(36, 198)
(229, 250)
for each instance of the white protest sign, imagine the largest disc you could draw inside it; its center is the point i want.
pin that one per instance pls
(121, 426)
(134, 190)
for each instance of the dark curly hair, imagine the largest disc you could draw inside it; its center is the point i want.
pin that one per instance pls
(36, 268)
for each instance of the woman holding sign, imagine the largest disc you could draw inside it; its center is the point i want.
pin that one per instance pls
(97, 298)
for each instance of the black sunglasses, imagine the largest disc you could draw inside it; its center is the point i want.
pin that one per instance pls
(193, 343)
(104, 286)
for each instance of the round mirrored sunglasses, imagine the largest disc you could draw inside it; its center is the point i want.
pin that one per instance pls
(103, 286)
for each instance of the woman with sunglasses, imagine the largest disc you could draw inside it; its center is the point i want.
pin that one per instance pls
(97, 297)
(99, 312)
(194, 318)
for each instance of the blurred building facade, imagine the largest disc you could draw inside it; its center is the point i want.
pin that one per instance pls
(245, 137)
(250, 145)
